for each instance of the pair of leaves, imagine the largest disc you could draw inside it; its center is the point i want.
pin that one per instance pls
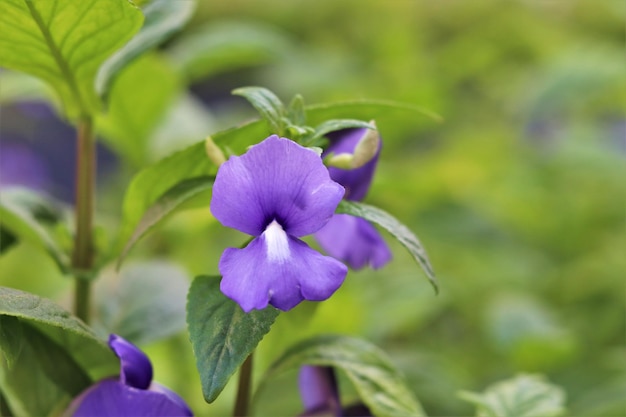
(66, 43)
(50, 356)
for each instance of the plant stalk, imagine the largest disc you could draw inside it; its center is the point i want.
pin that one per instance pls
(82, 257)
(242, 401)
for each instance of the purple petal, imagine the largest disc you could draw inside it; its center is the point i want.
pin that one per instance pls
(278, 269)
(276, 179)
(111, 398)
(318, 390)
(354, 241)
(136, 369)
(356, 181)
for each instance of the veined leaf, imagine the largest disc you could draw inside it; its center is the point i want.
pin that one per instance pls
(64, 42)
(221, 334)
(522, 396)
(379, 384)
(163, 18)
(52, 355)
(397, 230)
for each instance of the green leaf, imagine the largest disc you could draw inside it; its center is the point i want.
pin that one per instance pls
(24, 215)
(153, 182)
(338, 124)
(222, 335)
(522, 396)
(144, 303)
(223, 46)
(267, 104)
(163, 18)
(64, 42)
(165, 205)
(297, 112)
(379, 384)
(7, 239)
(397, 230)
(55, 357)
(138, 102)
(364, 110)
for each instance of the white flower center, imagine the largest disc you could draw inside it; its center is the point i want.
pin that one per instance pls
(277, 242)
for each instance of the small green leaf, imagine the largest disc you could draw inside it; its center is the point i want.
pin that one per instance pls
(163, 18)
(24, 215)
(397, 230)
(222, 335)
(297, 113)
(223, 46)
(144, 303)
(165, 205)
(138, 102)
(55, 357)
(379, 384)
(522, 396)
(267, 104)
(64, 42)
(338, 124)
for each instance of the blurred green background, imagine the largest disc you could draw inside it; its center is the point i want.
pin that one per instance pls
(518, 194)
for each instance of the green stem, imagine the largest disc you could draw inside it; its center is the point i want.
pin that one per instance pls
(243, 390)
(82, 258)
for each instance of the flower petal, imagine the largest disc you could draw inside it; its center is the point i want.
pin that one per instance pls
(136, 369)
(279, 270)
(356, 181)
(276, 179)
(318, 390)
(354, 241)
(111, 398)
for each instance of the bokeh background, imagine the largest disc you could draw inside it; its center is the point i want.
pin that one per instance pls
(518, 194)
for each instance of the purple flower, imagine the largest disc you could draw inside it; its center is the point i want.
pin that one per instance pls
(320, 394)
(133, 394)
(277, 192)
(348, 238)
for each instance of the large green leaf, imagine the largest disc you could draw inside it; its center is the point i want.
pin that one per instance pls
(138, 102)
(163, 18)
(64, 42)
(143, 303)
(365, 110)
(522, 396)
(25, 215)
(165, 205)
(222, 335)
(51, 355)
(155, 182)
(379, 384)
(397, 230)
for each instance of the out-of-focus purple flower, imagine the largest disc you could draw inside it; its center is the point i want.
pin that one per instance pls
(133, 394)
(320, 394)
(351, 239)
(278, 191)
(21, 166)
